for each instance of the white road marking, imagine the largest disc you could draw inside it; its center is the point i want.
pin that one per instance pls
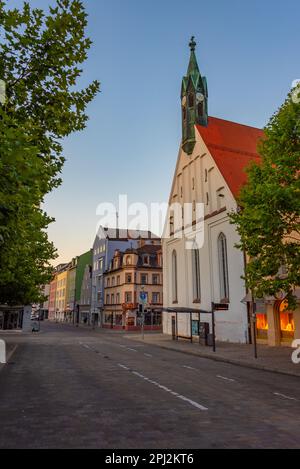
(188, 367)
(148, 355)
(164, 388)
(284, 396)
(86, 346)
(226, 379)
(131, 349)
(123, 366)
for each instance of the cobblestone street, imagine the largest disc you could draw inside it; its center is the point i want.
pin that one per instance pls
(76, 388)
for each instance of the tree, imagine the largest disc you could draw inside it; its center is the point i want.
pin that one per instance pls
(40, 61)
(268, 221)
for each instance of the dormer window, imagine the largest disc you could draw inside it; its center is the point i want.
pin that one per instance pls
(128, 260)
(146, 260)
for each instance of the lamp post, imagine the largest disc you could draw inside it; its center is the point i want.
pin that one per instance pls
(250, 299)
(253, 317)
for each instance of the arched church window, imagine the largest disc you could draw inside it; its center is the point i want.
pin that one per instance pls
(196, 274)
(223, 267)
(200, 109)
(174, 278)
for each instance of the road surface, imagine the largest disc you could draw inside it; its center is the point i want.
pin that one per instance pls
(73, 387)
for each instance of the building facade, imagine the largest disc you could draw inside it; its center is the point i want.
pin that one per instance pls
(131, 272)
(201, 263)
(61, 295)
(107, 241)
(86, 298)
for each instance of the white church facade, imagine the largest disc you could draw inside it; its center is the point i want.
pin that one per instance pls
(210, 170)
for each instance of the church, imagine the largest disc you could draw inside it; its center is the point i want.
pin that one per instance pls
(210, 170)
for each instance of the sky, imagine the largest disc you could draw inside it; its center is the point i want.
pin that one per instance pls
(249, 52)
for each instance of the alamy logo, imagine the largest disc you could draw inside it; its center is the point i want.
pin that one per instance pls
(2, 92)
(2, 352)
(296, 353)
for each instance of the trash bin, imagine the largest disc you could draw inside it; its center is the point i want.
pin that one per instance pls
(35, 327)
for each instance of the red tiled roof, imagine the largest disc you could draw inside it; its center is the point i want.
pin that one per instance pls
(232, 146)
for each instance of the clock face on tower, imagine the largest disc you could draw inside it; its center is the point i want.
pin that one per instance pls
(199, 97)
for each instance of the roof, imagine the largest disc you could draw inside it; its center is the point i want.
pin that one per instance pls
(121, 234)
(233, 146)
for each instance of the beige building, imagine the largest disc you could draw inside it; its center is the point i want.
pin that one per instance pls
(130, 273)
(61, 295)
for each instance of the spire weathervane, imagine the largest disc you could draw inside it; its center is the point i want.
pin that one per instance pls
(192, 44)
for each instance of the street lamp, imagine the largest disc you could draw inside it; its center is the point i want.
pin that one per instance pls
(249, 299)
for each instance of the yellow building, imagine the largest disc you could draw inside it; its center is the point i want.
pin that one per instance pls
(61, 295)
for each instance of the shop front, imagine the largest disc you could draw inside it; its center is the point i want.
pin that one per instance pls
(287, 323)
(262, 325)
(276, 323)
(11, 318)
(130, 319)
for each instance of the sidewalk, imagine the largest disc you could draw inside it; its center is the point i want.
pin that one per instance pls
(274, 359)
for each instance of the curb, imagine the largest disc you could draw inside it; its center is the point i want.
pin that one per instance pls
(218, 358)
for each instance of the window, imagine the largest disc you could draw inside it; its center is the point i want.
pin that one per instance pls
(107, 299)
(174, 277)
(108, 282)
(144, 279)
(155, 279)
(223, 267)
(118, 280)
(128, 297)
(220, 198)
(113, 281)
(191, 100)
(128, 278)
(155, 298)
(193, 184)
(128, 260)
(200, 109)
(118, 298)
(196, 274)
(146, 260)
(112, 299)
(171, 225)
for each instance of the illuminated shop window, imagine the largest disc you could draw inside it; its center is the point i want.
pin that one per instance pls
(262, 326)
(287, 323)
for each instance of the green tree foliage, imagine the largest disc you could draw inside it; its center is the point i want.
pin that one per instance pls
(40, 60)
(269, 219)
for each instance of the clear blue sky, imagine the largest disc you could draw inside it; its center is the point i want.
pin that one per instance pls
(249, 52)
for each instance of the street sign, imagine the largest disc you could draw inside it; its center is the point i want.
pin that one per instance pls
(143, 297)
(220, 306)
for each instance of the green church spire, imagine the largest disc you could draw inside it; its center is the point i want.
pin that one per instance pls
(194, 99)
